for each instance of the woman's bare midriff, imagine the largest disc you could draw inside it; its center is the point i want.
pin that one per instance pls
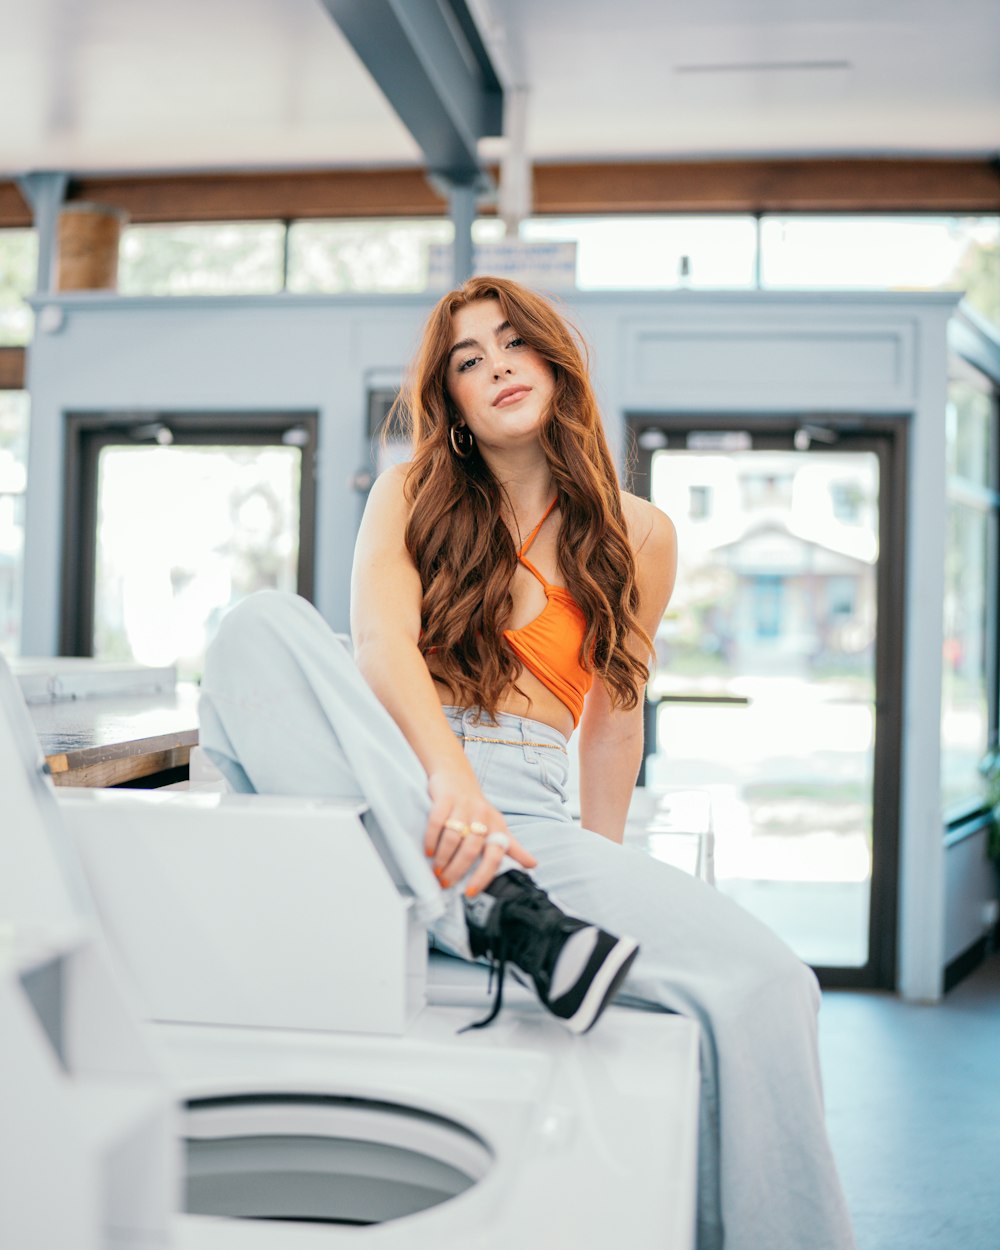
(537, 703)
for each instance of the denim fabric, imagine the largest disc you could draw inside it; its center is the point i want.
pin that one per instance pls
(284, 710)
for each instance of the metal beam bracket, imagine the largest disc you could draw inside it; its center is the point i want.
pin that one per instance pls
(429, 61)
(45, 192)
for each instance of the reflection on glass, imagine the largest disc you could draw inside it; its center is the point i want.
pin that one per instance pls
(774, 615)
(970, 536)
(969, 419)
(964, 696)
(13, 481)
(183, 534)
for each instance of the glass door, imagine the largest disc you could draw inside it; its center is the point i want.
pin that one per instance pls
(769, 685)
(176, 519)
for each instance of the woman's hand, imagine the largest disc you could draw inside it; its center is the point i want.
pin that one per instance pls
(457, 804)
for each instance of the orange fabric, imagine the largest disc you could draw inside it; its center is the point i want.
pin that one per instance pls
(550, 645)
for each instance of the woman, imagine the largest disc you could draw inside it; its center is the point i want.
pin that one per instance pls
(505, 592)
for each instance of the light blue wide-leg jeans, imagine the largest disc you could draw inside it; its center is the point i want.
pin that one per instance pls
(284, 710)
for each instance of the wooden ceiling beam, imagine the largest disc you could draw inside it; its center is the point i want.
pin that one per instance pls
(266, 196)
(15, 212)
(774, 186)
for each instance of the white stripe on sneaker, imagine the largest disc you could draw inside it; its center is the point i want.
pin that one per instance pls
(576, 951)
(601, 986)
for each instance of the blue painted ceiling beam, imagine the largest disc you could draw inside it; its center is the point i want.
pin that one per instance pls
(428, 60)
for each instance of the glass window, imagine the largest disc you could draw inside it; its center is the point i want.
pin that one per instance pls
(18, 271)
(385, 255)
(767, 489)
(624, 251)
(969, 428)
(894, 252)
(968, 710)
(766, 672)
(638, 252)
(700, 502)
(842, 597)
(847, 501)
(221, 258)
(13, 479)
(165, 575)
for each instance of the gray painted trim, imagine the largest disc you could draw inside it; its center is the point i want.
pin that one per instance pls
(894, 301)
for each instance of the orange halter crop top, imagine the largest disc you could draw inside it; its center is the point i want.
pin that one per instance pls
(550, 645)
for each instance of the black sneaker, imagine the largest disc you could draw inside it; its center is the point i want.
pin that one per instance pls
(575, 966)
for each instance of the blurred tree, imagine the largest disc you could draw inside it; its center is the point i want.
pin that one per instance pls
(18, 269)
(362, 255)
(978, 275)
(228, 258)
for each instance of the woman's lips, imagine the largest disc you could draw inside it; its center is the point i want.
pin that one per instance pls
(510, 396)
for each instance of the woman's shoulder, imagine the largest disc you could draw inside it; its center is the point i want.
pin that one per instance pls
(387, 509)
(649, 528)
(389, 490)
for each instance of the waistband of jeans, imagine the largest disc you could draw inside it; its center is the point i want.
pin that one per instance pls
(506, 727)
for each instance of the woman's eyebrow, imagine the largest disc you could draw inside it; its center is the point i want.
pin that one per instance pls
(462, 344)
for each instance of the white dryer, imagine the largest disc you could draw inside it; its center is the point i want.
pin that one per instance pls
(261, 1062)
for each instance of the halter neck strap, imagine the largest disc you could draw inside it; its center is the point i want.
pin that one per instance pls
(534, 533)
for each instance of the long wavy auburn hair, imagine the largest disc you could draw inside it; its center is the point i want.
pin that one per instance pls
(457, 536)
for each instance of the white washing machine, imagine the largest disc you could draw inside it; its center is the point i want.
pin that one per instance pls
(219, 1033)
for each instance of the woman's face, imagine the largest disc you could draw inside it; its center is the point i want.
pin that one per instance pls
(501, 388)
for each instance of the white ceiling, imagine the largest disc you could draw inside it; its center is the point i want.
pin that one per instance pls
(132, 85)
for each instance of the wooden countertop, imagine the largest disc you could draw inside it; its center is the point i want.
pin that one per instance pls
(108, 740)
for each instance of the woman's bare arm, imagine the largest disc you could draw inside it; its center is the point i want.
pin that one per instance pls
(611, 740)
(385, 628)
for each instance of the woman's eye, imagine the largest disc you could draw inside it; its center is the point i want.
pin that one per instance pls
(516, 343)
(467, 364)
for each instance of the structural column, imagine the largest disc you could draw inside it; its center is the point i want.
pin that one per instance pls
(45, 192)
(462, 208)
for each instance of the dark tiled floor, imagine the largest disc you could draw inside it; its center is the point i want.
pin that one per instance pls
(913, 1104)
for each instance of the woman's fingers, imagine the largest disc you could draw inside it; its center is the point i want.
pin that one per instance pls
(459, 847)
(446, 825)
(459, 844)
(465, 833)
(524, 857)
(451, 844)
(466, 854)
(491, 852)
(438, 815)
(489, 862)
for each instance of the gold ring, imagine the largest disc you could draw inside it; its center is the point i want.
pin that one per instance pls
(458, 826)
(479, 829)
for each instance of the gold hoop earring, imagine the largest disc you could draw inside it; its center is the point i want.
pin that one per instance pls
(462, 441)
